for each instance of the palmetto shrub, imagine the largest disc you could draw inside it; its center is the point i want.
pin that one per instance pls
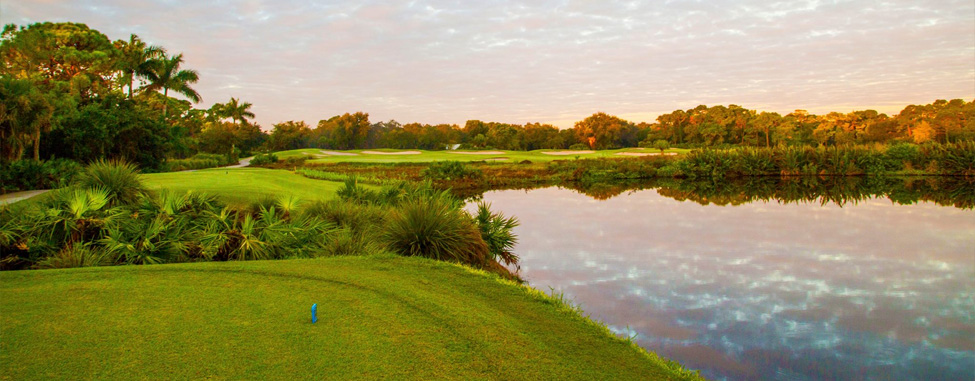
(432, 226)
(118, 178)
(497, 232)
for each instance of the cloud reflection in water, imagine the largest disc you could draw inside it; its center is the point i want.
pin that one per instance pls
(763, 290)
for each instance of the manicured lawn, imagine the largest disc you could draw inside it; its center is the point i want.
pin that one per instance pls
(426, 156)
(242, 185)
(379, 317)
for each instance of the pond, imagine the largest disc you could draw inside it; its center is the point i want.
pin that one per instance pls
(766, 289)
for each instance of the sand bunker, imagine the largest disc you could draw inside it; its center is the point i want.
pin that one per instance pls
(392, 153)
(335, 153)
(639, 153)
(645, 153)
(567, 152)
(478, 152)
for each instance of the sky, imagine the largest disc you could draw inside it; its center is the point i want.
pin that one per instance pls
(546, 61)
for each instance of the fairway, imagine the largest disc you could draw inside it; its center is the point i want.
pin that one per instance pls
(243, 185)
(410, 156)
(378, 317)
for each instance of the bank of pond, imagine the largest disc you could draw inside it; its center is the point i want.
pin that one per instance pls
(110, 215)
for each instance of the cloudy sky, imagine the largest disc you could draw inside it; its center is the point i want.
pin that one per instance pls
(547, 61)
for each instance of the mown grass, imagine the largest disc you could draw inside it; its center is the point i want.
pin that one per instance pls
(315, 155)
(243, 185)
(379, 317)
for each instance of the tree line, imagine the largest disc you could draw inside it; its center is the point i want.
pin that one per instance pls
(716, 126)
(68, 91)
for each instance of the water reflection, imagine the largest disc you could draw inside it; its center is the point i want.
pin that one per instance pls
(764, 290)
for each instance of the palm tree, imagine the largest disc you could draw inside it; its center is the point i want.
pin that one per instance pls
(137, 59)
(237, 111)
(165, 74)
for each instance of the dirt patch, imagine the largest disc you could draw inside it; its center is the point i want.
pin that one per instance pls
(478, 152)
(567, 152)
(336, 153)
(392, 153)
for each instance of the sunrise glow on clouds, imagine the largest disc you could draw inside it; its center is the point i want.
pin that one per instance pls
(547, 61)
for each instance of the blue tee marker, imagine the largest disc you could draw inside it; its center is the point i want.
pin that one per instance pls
(314, 313)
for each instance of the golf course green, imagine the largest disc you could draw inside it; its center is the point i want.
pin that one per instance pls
(243, 185)
(378, 317)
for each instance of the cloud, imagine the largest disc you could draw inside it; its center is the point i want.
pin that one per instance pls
(438, 61)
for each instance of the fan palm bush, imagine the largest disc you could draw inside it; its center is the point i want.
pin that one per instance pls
(118, 178)
(75, 215)
(497, 232)
(227, 237)
(434, 227)
(161, 240)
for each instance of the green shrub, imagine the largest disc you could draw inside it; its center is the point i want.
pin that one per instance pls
(198, 161)
(434, 227)
(24, 175)
(118, 178)
(450, 170)
(264, 159)
(579, 147)
(497, 233)
(900, 154)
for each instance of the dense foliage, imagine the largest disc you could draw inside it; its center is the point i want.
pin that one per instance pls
(23, 175)
(717, 126)
(68, 92)
(108, 217)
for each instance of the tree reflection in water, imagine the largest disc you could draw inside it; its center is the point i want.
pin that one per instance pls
(808, 278)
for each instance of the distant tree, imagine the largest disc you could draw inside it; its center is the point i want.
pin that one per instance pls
(605, 130)
(923, 132)
(235, 110)
(136, 59)
(165, 74)
(289, 135)
(539, 136)
(69, 57)
(662, 145)
(671, 126)
(347, 131)
(24, 113)
(768, 122)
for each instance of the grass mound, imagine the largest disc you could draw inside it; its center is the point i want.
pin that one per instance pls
(390, 317)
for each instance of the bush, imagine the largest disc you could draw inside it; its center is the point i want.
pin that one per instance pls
(450, 170)
(900, 154)
(22, 175)
(434, 227)
(264, 159)
(496, 230)
(198, 161)
(118, 178)
(579, 147)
